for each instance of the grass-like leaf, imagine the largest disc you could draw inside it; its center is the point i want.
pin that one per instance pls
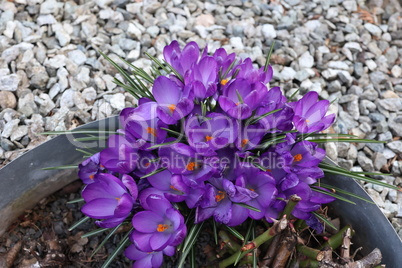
(189, 242)
(163, 144)
(78, 200)
(93, 138)
(234, 232)
(83, 131)
(324, 220)
(112, 232)
(94, 232)
(138, 71)
(255, 120)
(294, 94)
(250, 230)
(346, 140)
(268, 59)
(117, 251)
(215, 232)
(78, 223)
(178, 134)
(333, 195)
(341, 191)
(248, 207)
(356, 176)
(153, 173)
(61, 167)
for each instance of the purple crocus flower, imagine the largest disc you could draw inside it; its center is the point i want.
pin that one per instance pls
(172, 103)
(224, 61)
(159, 226)
(240, 98)
(181, 61)
(180, 158)
(201, 79)
(109, 198)
(250, 137)
(142, 123)
(247, 71)
(215, 132)
(310, 114)
(120, 155)
(219, 201)
(147, 259)
(89, 168)
(259, 182)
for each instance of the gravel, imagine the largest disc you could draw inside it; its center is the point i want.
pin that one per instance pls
(53, 78)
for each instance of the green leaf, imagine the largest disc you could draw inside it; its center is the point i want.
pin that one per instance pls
(255, 259)
(78, 223)
(250, 229)
(345, 140)
(84, 152)
(173, 132)
(91, 138)
(324, 220)
(341, 191)
(94, 232)
(61, 167)
(153, 173)
(192, 258)
(119, 248)
(234, 232)
(138, 71)
(264, 115)
(75, 201)
(239, 97)
(355, 176)
(112, 232)
(215, 232)
(271, 49)
(294, 94)
(330, 135)
(189, 242)
(228, 69)
(248, 207)
(163, 144)
(333, 195)
(174, 71)
(84, 131)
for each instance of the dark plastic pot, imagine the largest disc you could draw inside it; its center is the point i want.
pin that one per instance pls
(23, 183)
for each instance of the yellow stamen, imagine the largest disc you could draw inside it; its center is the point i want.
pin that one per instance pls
(297, 158)
(151, 131)
(191, 166)
(117, 198)
(208, 138)
(162, 227)
(244, 142)
(224, 81)
(221, 195)
(172, 107)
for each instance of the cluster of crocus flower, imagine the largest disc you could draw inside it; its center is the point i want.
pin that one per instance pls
(213, 138)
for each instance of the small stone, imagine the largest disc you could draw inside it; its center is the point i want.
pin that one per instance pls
(49, 7)
(365, 162)
(46, 19)
(7, 100)
(26, 104)
(205, 20)
(293, 2)
(7, 145)
(268, 31)
(396, 71)
(67, 99)
(334, 86)
(236, 43)
(331, 150)
(89, 95)
(340, 65)
(56, 62)
(379, 160)
(371, 65)
(373, 29)
(306, 60)
(330, 74)
(62, 35)
(117, 101)
(9, 128)
(77, 56)
(353, 46)
(134, 32)
(395, 146)
(9, 82)
(20, 132)
(288, 74)
(345, 77)
(392, 104)
(350, 5)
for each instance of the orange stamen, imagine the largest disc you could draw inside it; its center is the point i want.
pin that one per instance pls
(297, 158)
(151, 131)
(221, 195)
(92, 176)
(269, 170)
(244, 142)
(224, 81)
(191, 166)
(251, 189)
(237, 103)
(172, 107)
(117, 198)
(208, 138)
(147, 164)
(162, 227)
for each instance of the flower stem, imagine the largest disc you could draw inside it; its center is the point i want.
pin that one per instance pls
(277, 228)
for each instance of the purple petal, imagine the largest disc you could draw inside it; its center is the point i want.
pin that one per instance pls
(130, 184)
(166, 91)
(101, 208)
(146, 221)
(159, 240)
(133, 253)
(110, 223)
(124, 206)
(239, 215)
(141, 240)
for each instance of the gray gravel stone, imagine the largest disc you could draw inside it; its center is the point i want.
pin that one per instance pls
(395, 146)
(9, 128)
(9, 82)
(365, 162)
(20, 132)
